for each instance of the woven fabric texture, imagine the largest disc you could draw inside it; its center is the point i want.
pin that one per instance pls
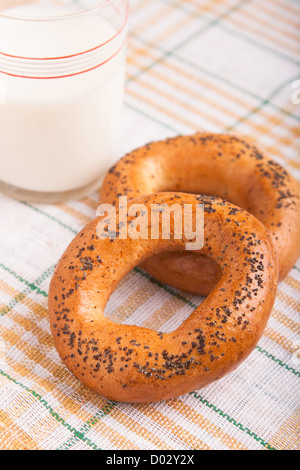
(217, 65)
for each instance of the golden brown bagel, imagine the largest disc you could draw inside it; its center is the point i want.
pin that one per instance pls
(135, 364)
(219, 165)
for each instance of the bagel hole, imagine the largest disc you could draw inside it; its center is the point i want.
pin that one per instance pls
(141, 300)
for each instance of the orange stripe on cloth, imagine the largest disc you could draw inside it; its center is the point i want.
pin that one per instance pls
(173, 29)
(88, 201)
(167, 111)
(18, 407)
(59, 374)
(287, 437)
(168, 9)
(286, 321)
(259, 20)
(133, 302)
(161, 315)
(12, 436)
(294, 283)
(132, 425)
(115, 437)
(273, 149)
(185, 436)
(287, 299)
(259, 32)
(200, 98)
(162, 109)
(279, 339)
(192, 415)
(84, 219)
(23, 299)
(272, 13)
(138, 6)
(261, 129)
(139, 52)
(154, 18)
(210, 6)
(285, 6)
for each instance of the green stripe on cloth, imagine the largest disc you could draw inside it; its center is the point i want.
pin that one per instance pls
(232, 421)
(32, 287)
(40, 211)
(211, 74)
(263, 103)
(191, 304)
(153, 118)
(282, 364)
(211, 23)
(259, 44)
(254, 408)
(168, 289)
(53, 413)
(111, 405)
(105, 411)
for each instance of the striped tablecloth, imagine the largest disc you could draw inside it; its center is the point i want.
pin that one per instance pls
(216, 65)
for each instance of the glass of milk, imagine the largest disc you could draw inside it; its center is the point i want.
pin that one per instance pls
(62, 68)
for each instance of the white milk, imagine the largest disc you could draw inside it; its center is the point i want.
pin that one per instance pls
(58, 134)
